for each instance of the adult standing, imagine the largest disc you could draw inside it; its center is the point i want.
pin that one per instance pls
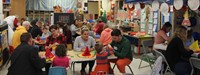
(80, 44)
(25, 59)
(18, 32)
(122, 49)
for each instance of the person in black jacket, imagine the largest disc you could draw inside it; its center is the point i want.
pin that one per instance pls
(25, 59)
(36, 30)
(177, 55)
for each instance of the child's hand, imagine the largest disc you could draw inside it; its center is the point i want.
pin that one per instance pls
(109, 47)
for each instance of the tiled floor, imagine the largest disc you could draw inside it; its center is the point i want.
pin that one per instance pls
(145, 70)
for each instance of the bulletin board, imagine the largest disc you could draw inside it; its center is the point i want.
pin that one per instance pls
(64, 17)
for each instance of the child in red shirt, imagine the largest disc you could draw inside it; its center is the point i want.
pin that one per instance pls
(61, 58)
(102, 63)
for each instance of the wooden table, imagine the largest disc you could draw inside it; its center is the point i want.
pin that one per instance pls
(137, 40)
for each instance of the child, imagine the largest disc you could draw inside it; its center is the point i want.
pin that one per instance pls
(61, 59)
(102, 63)
(46, 32)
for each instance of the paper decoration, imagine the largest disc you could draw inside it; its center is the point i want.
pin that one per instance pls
(194, 46)
(155, 15)
(186, 21)
(193, 4)
(154, 27)
(166, 18)
(48, 53)
(86, 52)
(122, 15)
(164, 8)
(155, 5)
(178, 4)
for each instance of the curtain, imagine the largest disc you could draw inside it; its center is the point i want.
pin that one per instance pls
(47, 5)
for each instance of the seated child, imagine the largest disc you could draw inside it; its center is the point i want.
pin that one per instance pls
(46, 32)
(102, 63)
(61, 58)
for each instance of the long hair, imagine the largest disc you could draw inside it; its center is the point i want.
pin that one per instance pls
(181, 32)
(165, 26)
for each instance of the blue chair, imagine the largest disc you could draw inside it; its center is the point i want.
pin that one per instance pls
(57, 70)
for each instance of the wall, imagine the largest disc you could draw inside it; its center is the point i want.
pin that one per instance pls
(106, 5)
(1, 7)
(93, 6)
(18, 7)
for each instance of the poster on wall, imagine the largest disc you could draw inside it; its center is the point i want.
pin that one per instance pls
(122, 15)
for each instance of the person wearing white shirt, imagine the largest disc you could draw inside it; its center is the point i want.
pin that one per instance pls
(80, 44)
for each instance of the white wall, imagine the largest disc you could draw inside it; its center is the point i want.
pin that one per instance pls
(1, 7)
(106, 5)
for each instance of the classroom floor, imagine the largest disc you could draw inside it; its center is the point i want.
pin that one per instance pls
(144, 70)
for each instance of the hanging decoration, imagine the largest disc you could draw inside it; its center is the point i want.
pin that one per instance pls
(164, 8)
(155, 5)
(130, 6)
(186, 21)
(178, 4)
(193, 4)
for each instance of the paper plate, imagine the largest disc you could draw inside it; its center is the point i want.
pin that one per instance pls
(193, 4)
(155, 5)
(164, 8)
(137, 6)
(178, 4)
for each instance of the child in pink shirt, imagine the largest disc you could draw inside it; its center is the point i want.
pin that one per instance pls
(61, 58)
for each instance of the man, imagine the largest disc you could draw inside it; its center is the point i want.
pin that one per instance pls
(18, 32)
(122, 49)
(36, 30)
(25, 59)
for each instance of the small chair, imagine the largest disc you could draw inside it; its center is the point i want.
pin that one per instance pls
(57, 70)
(148, 55)
(157, 53)
(195, 64)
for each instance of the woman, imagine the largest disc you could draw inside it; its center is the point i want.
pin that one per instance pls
(80, 44)
(176, 55)
(161, 37)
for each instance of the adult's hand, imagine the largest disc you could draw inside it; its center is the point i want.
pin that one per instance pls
(91, 49)
(83, 49)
